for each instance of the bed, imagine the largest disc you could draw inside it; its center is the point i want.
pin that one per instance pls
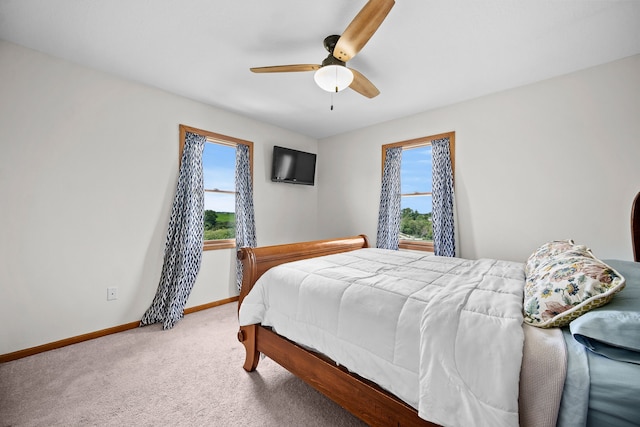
(540, 376)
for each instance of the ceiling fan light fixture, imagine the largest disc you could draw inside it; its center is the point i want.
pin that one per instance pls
(333, 78)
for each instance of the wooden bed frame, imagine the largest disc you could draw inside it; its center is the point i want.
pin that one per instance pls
(361, 397)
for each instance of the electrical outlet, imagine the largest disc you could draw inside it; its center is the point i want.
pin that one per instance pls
(112, 293)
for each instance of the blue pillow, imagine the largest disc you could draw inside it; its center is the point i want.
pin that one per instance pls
(613, 330)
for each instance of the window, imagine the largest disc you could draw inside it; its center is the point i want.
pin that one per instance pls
(416, 227)
(219, 172)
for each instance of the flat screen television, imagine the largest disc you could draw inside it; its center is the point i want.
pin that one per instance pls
(293, 166)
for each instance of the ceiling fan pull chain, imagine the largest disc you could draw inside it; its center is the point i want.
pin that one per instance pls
(331, 101)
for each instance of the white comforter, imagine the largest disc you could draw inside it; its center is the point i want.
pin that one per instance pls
(443, 334)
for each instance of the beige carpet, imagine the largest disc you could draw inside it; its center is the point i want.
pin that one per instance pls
(189, 376)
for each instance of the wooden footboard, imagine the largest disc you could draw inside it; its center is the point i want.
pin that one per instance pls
(362, 398)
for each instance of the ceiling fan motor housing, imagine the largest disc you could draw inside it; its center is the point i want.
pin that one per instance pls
(332, 60)
(330, 42)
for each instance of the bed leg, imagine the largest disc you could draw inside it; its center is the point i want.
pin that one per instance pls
(248, 337)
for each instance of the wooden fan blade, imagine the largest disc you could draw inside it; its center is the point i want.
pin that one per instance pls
(362, 85)
(286, 68)
(361, 28)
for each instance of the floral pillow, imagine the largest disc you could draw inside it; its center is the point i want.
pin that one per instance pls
(550, 250)
(564, 281)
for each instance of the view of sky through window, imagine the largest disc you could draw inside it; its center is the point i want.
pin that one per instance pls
(219, 165)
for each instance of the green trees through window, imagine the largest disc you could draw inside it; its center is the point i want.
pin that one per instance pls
(415, 225)
(219, 225)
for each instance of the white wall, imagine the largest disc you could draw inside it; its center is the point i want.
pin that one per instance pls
(553, 160)
(88, 166)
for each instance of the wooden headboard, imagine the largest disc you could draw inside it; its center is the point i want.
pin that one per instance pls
(255, 261)
(635, 228)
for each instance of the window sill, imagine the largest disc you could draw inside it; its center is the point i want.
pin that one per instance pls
(416, 245)
(211, 245)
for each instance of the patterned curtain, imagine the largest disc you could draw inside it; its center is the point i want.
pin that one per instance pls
(442, 197)
(245, 222)
(183, 248)
(389, 213)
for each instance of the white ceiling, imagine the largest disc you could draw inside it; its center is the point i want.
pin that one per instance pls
(426, 54)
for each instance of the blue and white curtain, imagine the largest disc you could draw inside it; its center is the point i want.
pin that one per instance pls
(183, 248)
(389, 213)
(442, 199)
(245, 221)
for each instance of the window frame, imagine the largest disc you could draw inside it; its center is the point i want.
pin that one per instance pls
(216, 138)
(420, 245)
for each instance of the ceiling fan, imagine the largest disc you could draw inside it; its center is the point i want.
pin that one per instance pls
(333, 74)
